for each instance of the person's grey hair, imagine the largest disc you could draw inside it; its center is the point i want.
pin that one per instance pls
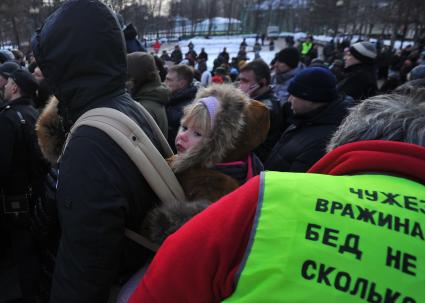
(394, 117)
(412, 87)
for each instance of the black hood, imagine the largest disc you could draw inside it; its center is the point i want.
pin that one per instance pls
(130, 32)
(81, 51)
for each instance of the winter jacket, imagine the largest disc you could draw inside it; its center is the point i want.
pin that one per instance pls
(280, 83)
(176, 56)
(203, 56)
(270, 100)
(21, 163)
(359, 82)
(154, 96)
(99, 190)
(175, 107)
(304, 141)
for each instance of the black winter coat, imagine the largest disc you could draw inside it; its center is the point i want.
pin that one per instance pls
(270, 100)
(304, 141)
(100, 191)
(21, 163)
(175, 111)
(176, 56)
(359, 82)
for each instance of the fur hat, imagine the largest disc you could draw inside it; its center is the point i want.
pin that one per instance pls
(290, 56)
(241, 125)
(316, 84)
(364, 51)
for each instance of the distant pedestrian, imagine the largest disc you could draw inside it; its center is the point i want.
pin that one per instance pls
(243, 43)
(360, 74)
(225, 55)
(165, 56)
(286, 67)
(156, 46)
(271, 44)
(203, 55)
(176, 55)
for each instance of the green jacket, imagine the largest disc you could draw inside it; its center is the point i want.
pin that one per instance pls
(154, 96)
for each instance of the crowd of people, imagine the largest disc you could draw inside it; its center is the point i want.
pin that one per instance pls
(304, 179)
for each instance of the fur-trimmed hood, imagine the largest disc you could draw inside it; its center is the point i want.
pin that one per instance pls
(240, 125)
(50, 132)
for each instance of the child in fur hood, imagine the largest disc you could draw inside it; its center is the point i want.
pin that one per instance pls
(218, 132)
(217, 136)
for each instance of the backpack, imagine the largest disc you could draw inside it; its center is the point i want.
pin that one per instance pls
(133, 140)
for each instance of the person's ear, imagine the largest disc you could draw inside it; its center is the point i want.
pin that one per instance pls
(183, 83)
(15, 87)
(262, 83)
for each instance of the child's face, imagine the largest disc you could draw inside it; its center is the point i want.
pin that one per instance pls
(187, 137)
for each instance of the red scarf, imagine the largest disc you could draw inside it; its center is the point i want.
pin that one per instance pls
(375, 156)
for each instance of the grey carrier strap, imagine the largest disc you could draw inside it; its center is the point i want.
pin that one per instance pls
(133, 140)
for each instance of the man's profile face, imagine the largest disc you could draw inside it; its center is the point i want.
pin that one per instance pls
(247, 82)
(281, 67)
(9, 89)
(301, 106)
(173, 82)
(350, 60)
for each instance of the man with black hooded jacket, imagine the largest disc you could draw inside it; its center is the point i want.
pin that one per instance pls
(80, 50)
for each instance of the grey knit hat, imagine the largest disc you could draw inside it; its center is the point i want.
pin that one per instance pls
(364, 51)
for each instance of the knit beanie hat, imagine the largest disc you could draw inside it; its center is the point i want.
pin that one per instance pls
(141, 67)
(364, 51)
(316, 84)
(290, 56)
(25, 80)
(8, 68)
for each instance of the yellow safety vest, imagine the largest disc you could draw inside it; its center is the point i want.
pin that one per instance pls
(306, 46)
(321, 238)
